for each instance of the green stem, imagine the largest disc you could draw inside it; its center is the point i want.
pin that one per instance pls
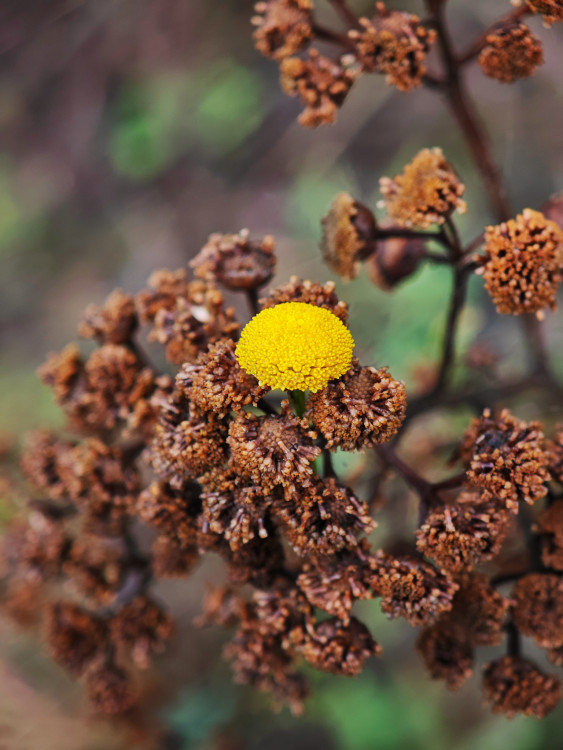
(298, 402)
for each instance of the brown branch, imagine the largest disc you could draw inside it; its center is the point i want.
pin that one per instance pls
(334, 37)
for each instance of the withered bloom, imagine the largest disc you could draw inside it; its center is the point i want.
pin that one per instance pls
(340, 648)
(324, 517)
(396, 44)
(511, 53)
(426, 193)
(333, 583)
(359, 410)
(555, 449)
(321, 83)
(273, 450)
(96, 567)
(348, 235)
(172, 512)
(283, 26)
(522, 263)
(236, 261)
(40, 462)
(321, 295)
(113, 323)
(40, 546)
(414, 590)
(394, 259)
(479, 609)
(514, 685)
(550, 524)
(217, 383)
(506, 458)
(142, 627)
(551, 10)
(457, 537)
(537, 610)
(447, 653)
(185, 316)
(109, 690)
(187, 442)
(75, 636)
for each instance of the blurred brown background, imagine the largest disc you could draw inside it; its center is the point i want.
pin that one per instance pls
(132, 129)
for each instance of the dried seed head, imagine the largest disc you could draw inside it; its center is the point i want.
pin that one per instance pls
(141, 627)
(514, 685)
(522, 263)
(479, 609)
(75, 637)
(185, 316)
(414, 589)
(283, 26)
(506, 457)
(309, 292)
(447, 653)
(323, 518)
(273, 450)
(425, 193)
(321, 83)
(551, 10)
(109, 690)
(237, 513)
(511, 53)
(235, 261)
(396, 44)
(550, 524)
(217, 383)
(172, 512)
(394, 260)
(113, 323)
(537, 609)
(457, 537)
(363, 408)
(348, 232)
(340, 648)
(295, 346)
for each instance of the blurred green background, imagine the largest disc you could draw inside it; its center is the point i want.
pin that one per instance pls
(131, 130)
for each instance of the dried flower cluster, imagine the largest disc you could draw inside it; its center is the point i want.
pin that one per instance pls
(511, 53)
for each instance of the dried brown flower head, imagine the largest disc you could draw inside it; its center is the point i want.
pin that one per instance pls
(511, 53)
(142, 627)
(514, 685)
(425, 193)
(479, 609)
(172, 512)
(348, 232)
(550, 524)
(321, 83)
(96, 567)
(447, 653)
(363, 408)
(506, 457)
(340, 648)
(551, 10)
(555, 449)
(113, 323)
(273, 450)
(187, 442)
(185, 316)
(283, 26)
(109, 690)
(333, 583)
(457, 537)
(394, 260)
(321, 295)
(537, 610)
(324, 517)
(414, 590)
(217, 383)
(522, 263)
(396, 44)
(75, 637)
(236, 261)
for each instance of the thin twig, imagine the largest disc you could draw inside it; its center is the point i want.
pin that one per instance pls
(335, 37)
(346, 13)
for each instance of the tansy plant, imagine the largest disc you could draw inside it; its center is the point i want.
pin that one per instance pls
(209, 457)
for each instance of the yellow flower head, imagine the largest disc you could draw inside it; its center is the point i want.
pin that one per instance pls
(295, 346)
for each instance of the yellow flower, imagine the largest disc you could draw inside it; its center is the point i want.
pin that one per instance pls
(295, 346)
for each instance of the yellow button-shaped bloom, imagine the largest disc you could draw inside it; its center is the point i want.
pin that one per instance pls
(296, 347)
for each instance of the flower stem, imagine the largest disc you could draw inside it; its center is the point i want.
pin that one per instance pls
(298, 402)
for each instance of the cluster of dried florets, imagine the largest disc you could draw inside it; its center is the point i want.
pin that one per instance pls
(393, 43)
